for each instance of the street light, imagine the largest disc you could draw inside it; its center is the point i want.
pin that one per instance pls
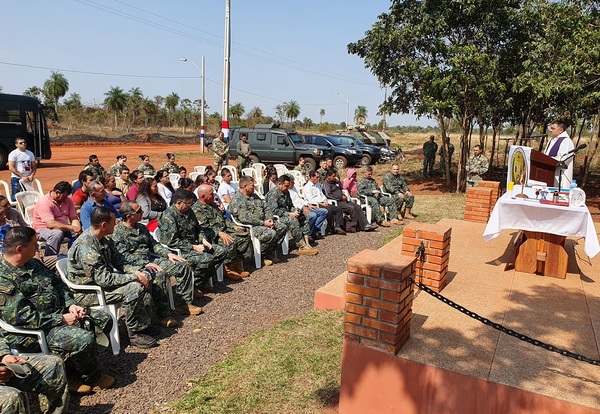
(347, 97)
(201, 100)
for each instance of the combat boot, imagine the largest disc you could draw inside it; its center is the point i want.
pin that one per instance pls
(238, 266)
(104, 382)
(168, 322)
(305, 249)
(231, 274)
(272, 256)
(76, 386)
(188, 309)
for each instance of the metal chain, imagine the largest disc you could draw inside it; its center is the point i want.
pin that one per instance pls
(501, 328)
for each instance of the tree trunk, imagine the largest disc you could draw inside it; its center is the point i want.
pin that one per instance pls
(466, 127)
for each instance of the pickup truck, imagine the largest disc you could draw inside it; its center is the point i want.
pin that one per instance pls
(271, 144)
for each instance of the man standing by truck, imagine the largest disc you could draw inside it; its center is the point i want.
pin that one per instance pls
(243, 152)
(220, 151)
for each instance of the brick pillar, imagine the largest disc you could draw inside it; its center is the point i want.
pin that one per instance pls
(379, 299)
(433, 269)
(495, 186)
(478, 204)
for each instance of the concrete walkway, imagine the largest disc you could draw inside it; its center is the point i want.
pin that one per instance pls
(564, 313)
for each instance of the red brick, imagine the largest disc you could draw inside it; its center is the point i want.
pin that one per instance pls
(412, 233)
(439, 260)
(360, 331)
(361, 310)
(383, 284)
(395, 296)
(354, 298)
(382, 305)
(355, 279)
(410, 241)
(363, 290)
(388, 338)
(352, 318)
(380, 326)
(439, 245)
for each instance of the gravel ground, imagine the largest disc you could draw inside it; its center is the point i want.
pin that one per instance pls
(149, 379)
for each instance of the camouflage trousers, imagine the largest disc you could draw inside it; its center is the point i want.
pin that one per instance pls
(243, 162)
(408, 200)
(473, 180)
(377, 203)
(298, 229)
(219, 162)
(239, 248)
(269, 238)
(136, 303)
(204, 264)
(47, 379)
(182, 272)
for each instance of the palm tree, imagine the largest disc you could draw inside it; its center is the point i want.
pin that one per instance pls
(171, 103)
(237, 110)
(135, 97)
(115, 101)
(56, 87)
(34, 92)
(307, 123)
(322, 113)
(159, 101)
(255, 116)
(148, 109)
(292, 110)
(360, 111)
(280, 112)
(73, 102)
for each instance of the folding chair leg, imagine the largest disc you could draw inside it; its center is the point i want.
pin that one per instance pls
(115, 341)
(220, 273)
(285, 244)
(170, 293)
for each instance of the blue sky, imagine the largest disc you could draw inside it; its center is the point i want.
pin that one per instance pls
(281, 50)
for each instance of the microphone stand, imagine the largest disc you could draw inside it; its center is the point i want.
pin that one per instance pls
(561, 166)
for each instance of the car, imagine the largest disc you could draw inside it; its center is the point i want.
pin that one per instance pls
(272, 144)
(343, 155)
(371, 153)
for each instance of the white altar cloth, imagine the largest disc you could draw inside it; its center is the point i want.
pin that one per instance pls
(521, 214)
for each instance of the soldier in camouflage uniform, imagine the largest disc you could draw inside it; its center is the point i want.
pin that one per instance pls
(94, 260)
(243, 149)
(138, 247)
(47, 379)
(179, 229)
(322, 170)
(429, 150)
(170, 166)
(302, 168)
(395, 184)
(121, 160)
(247, 208)
(367, 186)
(145, 167)
(32, 297)
(220, 151)
(477, 165)
(279, 203)
(235, 239)
(94, 165)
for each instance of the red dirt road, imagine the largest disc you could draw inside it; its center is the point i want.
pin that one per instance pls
(68, 160)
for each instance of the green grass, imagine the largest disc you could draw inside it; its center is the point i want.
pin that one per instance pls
(431, 208)
(294, 367)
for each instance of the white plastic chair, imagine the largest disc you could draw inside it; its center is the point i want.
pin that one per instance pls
(174, 179)
(259, 167)
(41, 338)
(232, 169)
(26, 201)
(200, 169)
(256, 243)
(281, 169)
(6, 190)
(298, 179)
(113, 309)
(250, 172)
(193, 175)
(34, 185)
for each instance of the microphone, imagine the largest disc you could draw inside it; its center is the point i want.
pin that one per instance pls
(576, 150)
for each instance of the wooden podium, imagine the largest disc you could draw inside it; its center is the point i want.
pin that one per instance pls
(542, 167)
(541, 253)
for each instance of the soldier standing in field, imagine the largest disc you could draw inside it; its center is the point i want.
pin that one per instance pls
(477, 165)
(243, 152)
(220, 151)
(429, 151)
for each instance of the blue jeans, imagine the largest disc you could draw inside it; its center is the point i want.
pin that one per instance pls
(15, 187)
(316, 218)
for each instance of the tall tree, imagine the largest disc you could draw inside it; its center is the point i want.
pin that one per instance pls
(321, 114)
(115, 101)
(171, 103)
(56, 87)
(73, 102)
(133, 106)
(237, 111)
(35, 92)
(360, 111)
(292, 110)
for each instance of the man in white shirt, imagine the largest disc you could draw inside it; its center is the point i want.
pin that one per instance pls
(22, 166)
(313, 194)
(226, 189)
(316, 215)
(558, 148)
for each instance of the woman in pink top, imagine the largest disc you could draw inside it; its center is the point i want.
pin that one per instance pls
(350, 182)
(136, 177)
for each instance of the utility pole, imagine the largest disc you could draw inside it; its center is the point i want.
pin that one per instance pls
(225, 110)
